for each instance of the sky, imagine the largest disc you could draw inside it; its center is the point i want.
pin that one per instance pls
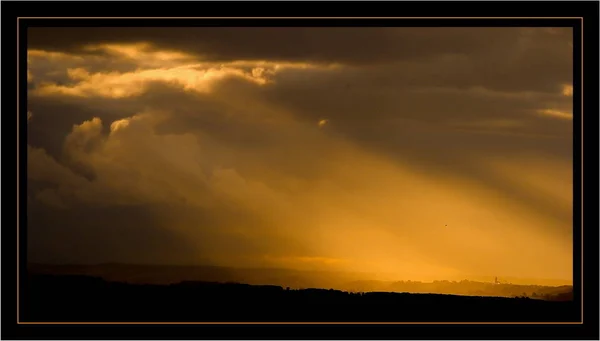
(412, 152)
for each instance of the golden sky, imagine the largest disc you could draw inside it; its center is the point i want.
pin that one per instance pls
(408, 152)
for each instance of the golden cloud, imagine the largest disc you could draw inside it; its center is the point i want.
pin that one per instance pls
(53, 56)
(143, 54)
(171, 67)
(556, 114)
(121, 85)
(322, 123)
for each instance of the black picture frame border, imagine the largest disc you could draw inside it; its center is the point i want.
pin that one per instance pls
(488, 13)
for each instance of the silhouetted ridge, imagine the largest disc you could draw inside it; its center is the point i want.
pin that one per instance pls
(171, 274)
(84, 298)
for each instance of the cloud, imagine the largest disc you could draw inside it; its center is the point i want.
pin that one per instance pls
(144, 131)
(322, 123)
(499, 58)
(142, 54)
(556, 114)
(154, 66)
(134, 83)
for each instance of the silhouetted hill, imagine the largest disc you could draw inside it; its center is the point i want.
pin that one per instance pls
(353, 282)
(84, 298)
(473, 288)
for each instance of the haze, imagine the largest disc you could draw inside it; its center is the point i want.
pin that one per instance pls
(408, 152)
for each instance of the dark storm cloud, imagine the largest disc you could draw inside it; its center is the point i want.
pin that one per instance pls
(353, 45)
(503, 57)
(429, 122)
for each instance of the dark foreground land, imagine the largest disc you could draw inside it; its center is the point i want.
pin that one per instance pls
(74, 298)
